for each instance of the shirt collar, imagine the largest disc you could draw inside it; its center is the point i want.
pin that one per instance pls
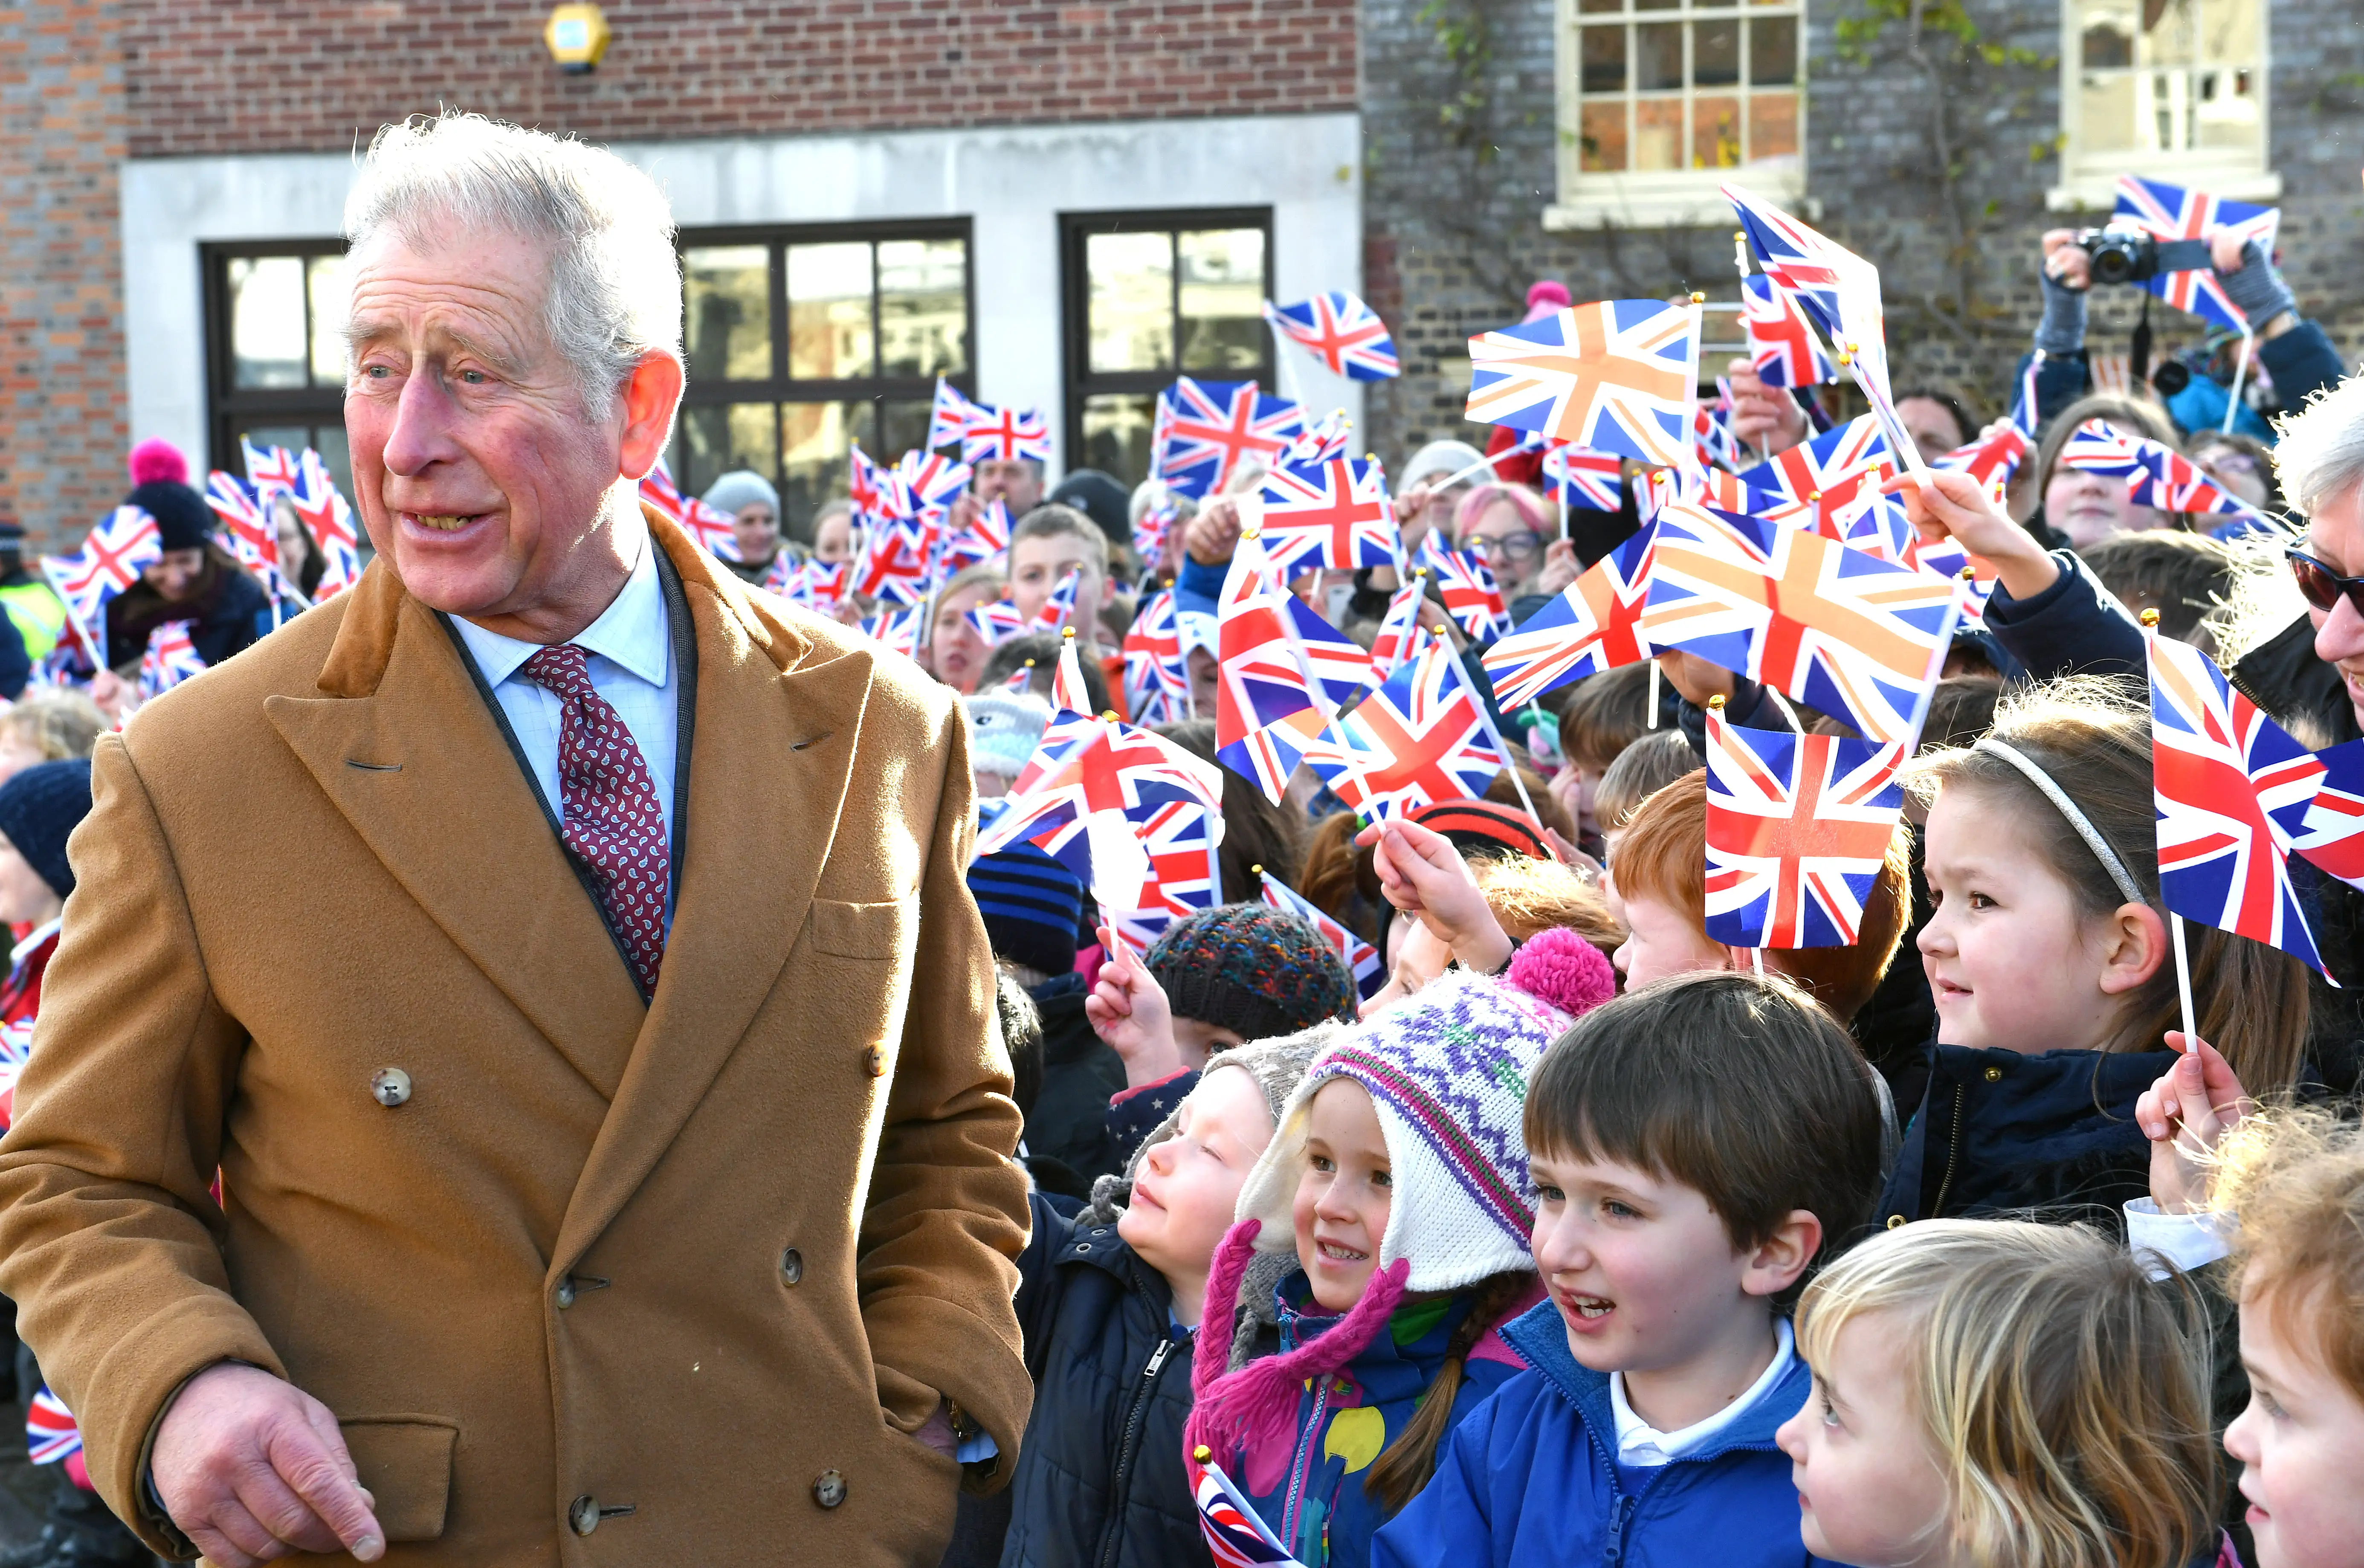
(1638, 1442)
(631, 632)
(40, 934)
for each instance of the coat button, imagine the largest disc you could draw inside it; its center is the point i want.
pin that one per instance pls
(1994, 1075)
(391, 1087)
(874, 1061)
(565, 1293)
(828, 1488)
(792, 1266)
(582, 1514)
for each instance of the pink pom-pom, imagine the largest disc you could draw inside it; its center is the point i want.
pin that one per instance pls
(157, 458)
(1562, 968)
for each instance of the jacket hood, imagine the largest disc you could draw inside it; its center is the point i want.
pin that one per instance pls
(1540, 1337)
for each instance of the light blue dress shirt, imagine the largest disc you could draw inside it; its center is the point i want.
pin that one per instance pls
(631, 664)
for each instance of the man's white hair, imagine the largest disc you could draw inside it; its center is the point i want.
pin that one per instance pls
(614, 289)
(2321, 453)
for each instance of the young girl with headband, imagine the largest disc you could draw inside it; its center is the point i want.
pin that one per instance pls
(2049, 961)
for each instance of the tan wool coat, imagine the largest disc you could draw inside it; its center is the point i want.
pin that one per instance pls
(702, 1263)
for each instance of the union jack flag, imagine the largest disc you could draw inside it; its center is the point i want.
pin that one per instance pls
(1336, 514)
(1422, 737)
(251, 536)
(268, 469)
(322, 509)
(1782, 349)
(781, 575)
(895, 630)
(1836, 472)
(1397, 628)
(1591, 480)
(1595, 624)
(2155, 475)
(2173, 212)
(1615, 376)
(986, 538)
(1320, 441)
(2233, 792)
(996, 621)
(1467, 583)
(1990, 460)
(109, 561)
(1060, 607)
(1337, 662)
(1178, 838)
(1361, 959)
(1236, 1537)
(1156, 674)
(1712, 442)
(893, 564)
(2331, 833)
(1262, 680)
(1797, 827)
(1838, 290)
(930, 480)
(1149, 534)
(1005, 435)
(1344, 334)
(51, 1432)
(872, 489)
(1205, 429)
(1115, 772)
(1854, 635)
(819, 584)
(171, 658)
(952, 414)
(2099, 447)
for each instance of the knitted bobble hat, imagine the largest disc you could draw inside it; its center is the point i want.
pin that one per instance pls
(1251, 970)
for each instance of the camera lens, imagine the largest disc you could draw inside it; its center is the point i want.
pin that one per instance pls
(2171, 377)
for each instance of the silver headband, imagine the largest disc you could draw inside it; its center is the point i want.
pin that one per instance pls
(2077, 819)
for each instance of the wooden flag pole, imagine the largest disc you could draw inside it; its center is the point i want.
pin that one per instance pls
(1653, 723)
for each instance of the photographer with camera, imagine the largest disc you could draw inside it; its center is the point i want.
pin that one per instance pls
(2295, 353)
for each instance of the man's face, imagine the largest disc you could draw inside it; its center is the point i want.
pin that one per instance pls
(479, 472)
(1037, 566)
(1015, 482)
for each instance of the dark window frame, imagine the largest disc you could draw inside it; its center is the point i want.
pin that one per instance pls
(782, 388)
(1079, 381)
(229, 407)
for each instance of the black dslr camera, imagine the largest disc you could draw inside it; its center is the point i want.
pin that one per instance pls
(2127, 256)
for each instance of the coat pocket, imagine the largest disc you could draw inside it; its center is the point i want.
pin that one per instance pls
(405, 1463)
(863, 930)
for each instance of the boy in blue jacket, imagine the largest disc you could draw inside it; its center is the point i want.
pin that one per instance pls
(1695, 1146)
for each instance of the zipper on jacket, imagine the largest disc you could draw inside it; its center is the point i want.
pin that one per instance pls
(1953, 1156)
(1129, 1449)
(1619, 1523)
(1303, 1462)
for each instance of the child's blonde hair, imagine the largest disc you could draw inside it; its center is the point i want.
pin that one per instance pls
(2065, 1393)
(2293, 1180)
(1528, 897)
(2093, 737)
(60, 724)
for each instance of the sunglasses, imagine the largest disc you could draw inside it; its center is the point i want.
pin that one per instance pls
(2323, 587)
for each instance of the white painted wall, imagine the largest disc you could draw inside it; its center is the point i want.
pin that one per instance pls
(1012, 183)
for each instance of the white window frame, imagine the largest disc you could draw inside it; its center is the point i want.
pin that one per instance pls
(2088, 179)
(1659, 196)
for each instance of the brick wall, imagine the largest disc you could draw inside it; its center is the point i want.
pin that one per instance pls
(1461, 170)
(62, 131)
(287, 75)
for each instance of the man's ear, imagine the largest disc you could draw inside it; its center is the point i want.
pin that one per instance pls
(651, 395)
(2133, 943)
(1774, 1263)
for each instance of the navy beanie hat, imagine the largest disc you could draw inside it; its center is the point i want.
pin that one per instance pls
(180, 511)
(1032, 906)
(38, 808)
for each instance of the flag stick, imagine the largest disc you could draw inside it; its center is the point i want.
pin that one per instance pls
(1653, 723)
(2182, 978)
(2240, 369)
(1486, 717)
(1214, 870)
(1482, 463)
(1284, 371)
(81, 632)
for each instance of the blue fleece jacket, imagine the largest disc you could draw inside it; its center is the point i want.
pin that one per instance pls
(1530, 1479)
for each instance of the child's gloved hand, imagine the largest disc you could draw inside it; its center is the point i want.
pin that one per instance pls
(1424, 875)
(2195, 1102)
(1128, 1009)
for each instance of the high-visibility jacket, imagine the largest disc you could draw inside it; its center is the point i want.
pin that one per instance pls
(40, 615)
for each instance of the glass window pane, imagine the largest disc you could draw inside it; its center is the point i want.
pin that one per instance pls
(813, 441)
(1222, 298)
(1772, 127)
(2228, 31)
(719, 439)
(2227, 111)
(328, 440)
(1657, 4)
(1116, 434)
(2106, 113)
(325, 287)
(1773, 51)
(2107, 31)
(1715, 53)
(1130, 281)
(727, 319)
(1715, 133)
(828, 311)
(902, 427)
(266, 321)
(1658, 57)
(923, 306)
(1604, 59)
(295, 437)
(1658, 134)
(1602, 137)
(1588, 6)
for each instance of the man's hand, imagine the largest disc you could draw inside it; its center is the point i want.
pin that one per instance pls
(2065, 261)
(2194, 1104)
(254, 1469)
(1127, 1008)
(1697, 680)
(1766, 418)
(1944, 504)
(937, 1432)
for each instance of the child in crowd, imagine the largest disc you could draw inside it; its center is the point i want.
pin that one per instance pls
(1047, 544)
(1601, 716)
(1694, 1147)
(1471, 910)
(1239, 973)
(47, 726)
(1657, 890)
(957, 650)
(2004, 1394)
(1111, 1302)
(1641, 771)
(2048, 956)
(1004, 730)
(1382, 1242)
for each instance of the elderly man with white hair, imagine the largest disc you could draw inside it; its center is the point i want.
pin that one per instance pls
(597, 1147)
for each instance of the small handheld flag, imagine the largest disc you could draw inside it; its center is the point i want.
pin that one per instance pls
(1361, 958)
(2171, 212)
(1798, 827)
(1594, 625)
(1613, 376)
(1343, 332)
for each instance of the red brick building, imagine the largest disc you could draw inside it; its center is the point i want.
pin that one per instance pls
(1057, 204)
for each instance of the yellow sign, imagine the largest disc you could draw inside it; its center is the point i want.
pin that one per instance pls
(577, 36)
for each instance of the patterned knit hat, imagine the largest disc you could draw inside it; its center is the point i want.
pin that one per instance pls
(1251, 970)
(1447, 1072)
(1032, 906)
(1004, 731)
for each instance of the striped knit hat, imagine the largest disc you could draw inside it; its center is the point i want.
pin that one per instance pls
(1032, 906)
(1252, 970)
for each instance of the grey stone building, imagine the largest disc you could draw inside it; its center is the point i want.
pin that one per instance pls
(1510, 140)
